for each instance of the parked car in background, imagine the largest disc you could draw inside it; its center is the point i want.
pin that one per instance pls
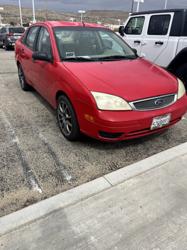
(160, 37)
(9, 35)
(97, 83)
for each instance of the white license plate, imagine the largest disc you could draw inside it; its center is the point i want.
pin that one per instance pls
(160, 121)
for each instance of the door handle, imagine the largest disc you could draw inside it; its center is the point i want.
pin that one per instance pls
(159, 43)
(137, 41)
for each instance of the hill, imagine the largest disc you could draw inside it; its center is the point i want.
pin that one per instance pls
(11, 14)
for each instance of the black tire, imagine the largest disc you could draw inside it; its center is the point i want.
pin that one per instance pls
(67, 119)
(6, 46)
(24, 85)
(181, 73)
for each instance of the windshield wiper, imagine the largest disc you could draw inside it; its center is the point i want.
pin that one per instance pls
(117, 57)
(78, 59)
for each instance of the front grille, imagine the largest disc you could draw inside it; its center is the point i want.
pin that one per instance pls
(154, 103)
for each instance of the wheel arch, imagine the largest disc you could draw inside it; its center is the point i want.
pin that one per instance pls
(59, 93)
(179, 60)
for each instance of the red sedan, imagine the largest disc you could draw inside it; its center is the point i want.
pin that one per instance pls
(97, 83)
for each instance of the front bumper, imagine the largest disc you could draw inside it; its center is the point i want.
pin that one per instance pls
(124, 125)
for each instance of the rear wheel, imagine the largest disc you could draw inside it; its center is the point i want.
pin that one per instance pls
(67, 119)
(24, 85)
(181, 72)
(6, 46)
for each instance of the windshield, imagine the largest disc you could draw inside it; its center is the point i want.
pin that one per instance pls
(91, 44)
(17, 30)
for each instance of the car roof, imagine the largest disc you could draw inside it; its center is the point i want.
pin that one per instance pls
(158, 11)
(70, 24)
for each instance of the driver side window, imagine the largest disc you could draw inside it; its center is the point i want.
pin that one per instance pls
(44, 43)
(135, 26)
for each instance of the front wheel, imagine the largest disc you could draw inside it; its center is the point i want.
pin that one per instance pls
(181, 72)
(67, 119)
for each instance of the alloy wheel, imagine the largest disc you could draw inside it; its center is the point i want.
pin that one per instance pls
(65, 118)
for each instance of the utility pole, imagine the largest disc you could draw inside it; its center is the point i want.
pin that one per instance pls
(166, 4)
(138, 4)
(20, 13)
(132, 6)
(1, 9)
(33, 12)
(46, 14)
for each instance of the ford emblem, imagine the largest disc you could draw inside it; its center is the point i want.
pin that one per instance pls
(159, 102)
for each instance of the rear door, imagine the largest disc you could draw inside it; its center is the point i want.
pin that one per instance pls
(155, 45)
(44, 71)
(134, 30)
(26, 52)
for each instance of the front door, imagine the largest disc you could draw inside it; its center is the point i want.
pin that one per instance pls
(133, 32)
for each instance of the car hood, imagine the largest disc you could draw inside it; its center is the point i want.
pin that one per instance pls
(129, 79)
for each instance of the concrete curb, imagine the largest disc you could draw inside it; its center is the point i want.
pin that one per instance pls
(41, 209)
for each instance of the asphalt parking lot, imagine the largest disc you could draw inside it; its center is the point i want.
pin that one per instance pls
(36, 161)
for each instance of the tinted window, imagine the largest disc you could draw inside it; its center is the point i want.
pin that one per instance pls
(44, 44)
(17, 30)
(159, 25)
(31, 37)
(135, 26)
(185, 27)
(3, 30)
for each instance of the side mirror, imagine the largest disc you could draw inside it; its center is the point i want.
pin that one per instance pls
(135, 51)
(121, 30)
(42, 56)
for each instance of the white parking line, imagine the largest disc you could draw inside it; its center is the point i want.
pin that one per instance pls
(29, 175)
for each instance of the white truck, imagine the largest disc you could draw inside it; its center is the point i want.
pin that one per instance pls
(160, 37)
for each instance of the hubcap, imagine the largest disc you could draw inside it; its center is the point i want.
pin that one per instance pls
(64, 118)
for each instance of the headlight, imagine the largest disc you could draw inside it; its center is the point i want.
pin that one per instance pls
(110, 102)
(181, 89)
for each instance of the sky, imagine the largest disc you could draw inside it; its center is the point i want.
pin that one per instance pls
(75, 5)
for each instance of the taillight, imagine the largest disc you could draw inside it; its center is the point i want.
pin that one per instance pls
(10, 34)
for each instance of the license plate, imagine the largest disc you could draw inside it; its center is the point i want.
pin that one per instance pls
(160, 121)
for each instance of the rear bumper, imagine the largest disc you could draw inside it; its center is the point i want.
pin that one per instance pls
(126, 125)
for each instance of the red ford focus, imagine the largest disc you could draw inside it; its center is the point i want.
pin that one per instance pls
(97, 83)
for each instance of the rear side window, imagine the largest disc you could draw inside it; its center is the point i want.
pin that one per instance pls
(185, 27)
(31, 37)
(19, 30)
(135, 26)
(159, 25)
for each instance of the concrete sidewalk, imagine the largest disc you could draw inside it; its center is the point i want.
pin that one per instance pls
(143, 206)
